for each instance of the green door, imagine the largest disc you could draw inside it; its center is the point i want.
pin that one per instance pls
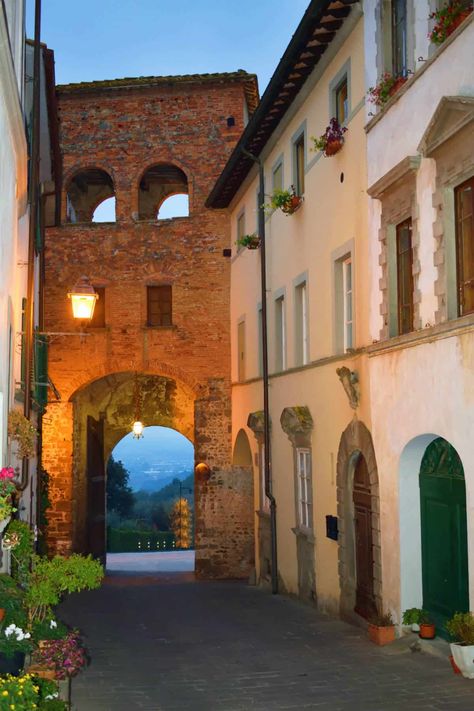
(443, 532)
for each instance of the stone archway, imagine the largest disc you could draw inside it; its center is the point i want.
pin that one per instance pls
(356, 440)
(107, 406)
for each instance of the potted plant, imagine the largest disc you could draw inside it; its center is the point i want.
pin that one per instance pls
(447, 19)
(21, 431)
(7, 489)
(427, 626)
(461, 628)
(65, 656)
(332, 140)
(250, 241)
(19, 539)
(385, 89)
(27, 692)
(51, 579)
(285, 200)
(381, 629)
(15, 642)
(411, 617)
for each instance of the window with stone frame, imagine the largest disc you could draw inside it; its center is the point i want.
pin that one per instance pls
(395, 36)
(464, 213)
(341, 101)
(449, 141)
(159, 306)
(303, 474)
(397, 193)
(280, 334)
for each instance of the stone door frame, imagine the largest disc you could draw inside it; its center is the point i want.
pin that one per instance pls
(356, 439)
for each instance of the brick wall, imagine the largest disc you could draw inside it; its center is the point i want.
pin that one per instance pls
(123, 131)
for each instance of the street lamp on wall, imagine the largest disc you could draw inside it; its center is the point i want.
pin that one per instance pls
(83, 299)
(137, 427)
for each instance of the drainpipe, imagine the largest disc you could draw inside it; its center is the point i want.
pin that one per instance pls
(266, 411)
(34, 195)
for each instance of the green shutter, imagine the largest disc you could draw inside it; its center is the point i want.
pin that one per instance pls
(41, 370)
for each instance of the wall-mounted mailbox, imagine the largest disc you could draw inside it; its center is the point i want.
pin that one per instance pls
(331, 527)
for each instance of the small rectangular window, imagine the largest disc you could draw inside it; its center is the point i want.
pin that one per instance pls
(347, 302)
(240, 229)
(303, 464)
(301, 324)
(464, 211)
(404, 277)
(342, 101)
(98, 319)
(241, 351)
(299, 164)
(159, 306)
(278, 177)
(280, 334)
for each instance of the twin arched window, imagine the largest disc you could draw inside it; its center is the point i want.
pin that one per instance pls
(162, 194)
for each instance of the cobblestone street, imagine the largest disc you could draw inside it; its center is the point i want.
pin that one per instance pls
(168, 643)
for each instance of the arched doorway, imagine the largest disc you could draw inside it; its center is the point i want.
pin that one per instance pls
(443, 532)
(364, 557)
(358, 508)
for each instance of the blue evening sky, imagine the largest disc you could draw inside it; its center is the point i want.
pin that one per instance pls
(107, 39)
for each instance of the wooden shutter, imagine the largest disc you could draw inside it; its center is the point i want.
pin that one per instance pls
(404, 277)
(159, 306)
(464, 202)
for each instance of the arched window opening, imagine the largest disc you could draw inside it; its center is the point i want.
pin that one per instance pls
(157, 184)
(174, 206)
(86, 191)
(105, 211)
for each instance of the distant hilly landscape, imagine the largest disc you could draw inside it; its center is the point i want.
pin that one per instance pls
(155, 460)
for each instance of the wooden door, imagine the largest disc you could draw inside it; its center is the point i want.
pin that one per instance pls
(443, 532)
(365, 598)
(96, 537)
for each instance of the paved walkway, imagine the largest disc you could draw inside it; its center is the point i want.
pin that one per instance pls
(169, 646)
(154, 562)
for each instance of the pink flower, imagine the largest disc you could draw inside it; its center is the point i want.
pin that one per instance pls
(7, 473)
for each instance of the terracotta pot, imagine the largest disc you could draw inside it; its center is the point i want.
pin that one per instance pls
(42, 672)
(455, 667)
(333, 147)
(381, 635)
(292, 205)
(399, 82)
(427, 631)
(2, 613)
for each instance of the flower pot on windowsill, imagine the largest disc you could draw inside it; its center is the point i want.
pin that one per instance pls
(333, 147)
(381, 635)
(397, 85)
(253, 243)
(292, 205)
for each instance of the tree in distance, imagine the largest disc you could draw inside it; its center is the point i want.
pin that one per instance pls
(120, 496)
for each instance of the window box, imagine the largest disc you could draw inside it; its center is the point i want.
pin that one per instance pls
(448, 19)
(385, 89)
